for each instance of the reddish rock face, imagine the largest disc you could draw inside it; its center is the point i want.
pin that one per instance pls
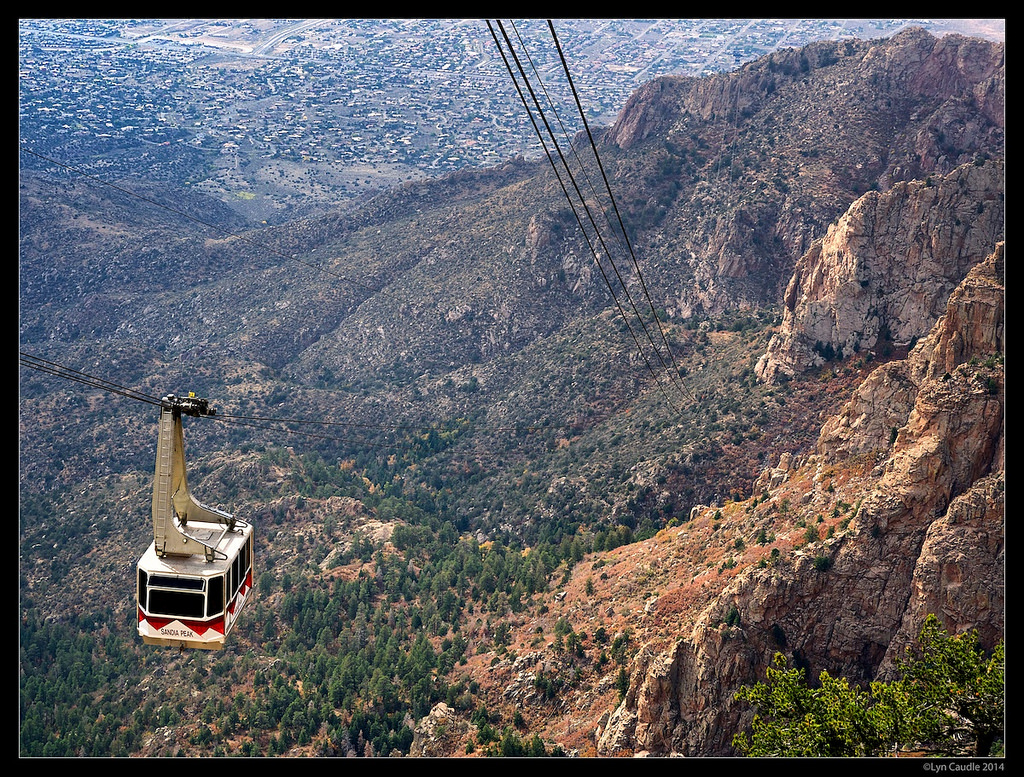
(882, 275)
(927, 537)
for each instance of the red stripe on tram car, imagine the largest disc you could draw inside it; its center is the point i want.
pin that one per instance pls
(199, 627)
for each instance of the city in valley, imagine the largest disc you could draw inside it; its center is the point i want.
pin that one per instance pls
(280, 116)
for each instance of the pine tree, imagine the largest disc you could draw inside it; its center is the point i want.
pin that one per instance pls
(949, 692)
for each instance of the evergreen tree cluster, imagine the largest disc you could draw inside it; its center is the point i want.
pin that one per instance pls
(345, 666)
(948, 701)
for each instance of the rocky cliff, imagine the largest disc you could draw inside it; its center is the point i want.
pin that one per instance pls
(767, 157)
(881, 275)
(926, 535)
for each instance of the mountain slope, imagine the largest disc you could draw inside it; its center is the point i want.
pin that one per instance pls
(925, 537)
(882, 275)
(498, 480)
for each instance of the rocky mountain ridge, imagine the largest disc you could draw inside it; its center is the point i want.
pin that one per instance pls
(799, 136)
(883, 273)
(835, 561)
(927, 537)
(460, 333)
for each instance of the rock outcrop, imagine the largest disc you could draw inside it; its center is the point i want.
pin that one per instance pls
(958, 75)
(848, 117)
(927, 537)
(440, 734)
(881, 276)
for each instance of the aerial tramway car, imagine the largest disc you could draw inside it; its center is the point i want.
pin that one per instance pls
(196, 576)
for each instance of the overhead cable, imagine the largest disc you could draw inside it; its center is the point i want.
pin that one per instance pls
(583, 203)
(611, 198)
